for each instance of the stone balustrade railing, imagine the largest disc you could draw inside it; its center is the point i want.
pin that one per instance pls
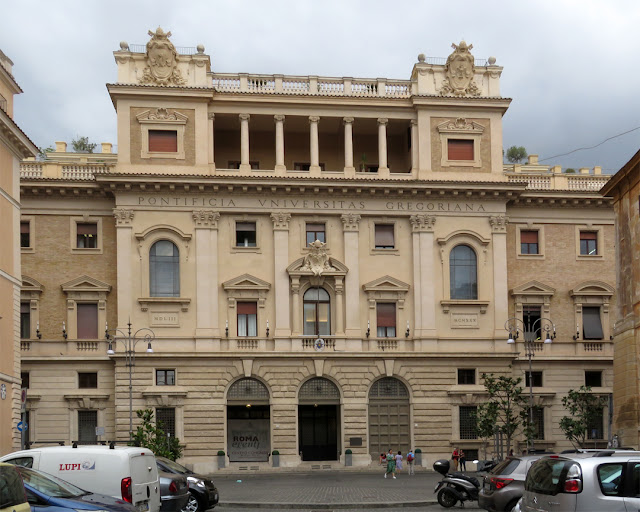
(572, 182)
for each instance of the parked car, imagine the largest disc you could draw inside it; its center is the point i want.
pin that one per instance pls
(174, 492)
(122, 472)
(203, 494)
(46, 493)
(12, 494)
(583, 482)
(503, 486)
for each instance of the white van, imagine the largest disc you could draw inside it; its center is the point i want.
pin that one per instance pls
(123, 472)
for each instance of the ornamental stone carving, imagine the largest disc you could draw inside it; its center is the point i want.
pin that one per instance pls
(280, 221)
(350, 222)
(123, 217)
(459, 71)
(206, 218)
(317, 260)
(422, 222)
(161, 61)
(498, 223)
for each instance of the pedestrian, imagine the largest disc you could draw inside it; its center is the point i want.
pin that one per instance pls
(410, 458)
(455, 456)
(511, 452)
(391, 464)
(383, 459)
(463, 460)
(399, 462)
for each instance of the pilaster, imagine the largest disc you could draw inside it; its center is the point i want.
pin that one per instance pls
(424, 276)
(351, 227)
(124, 237)
(281, 258)
(207, 306)
(498, 225)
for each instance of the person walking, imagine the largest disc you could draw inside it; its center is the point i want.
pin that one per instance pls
(410, 461)
(463, 460)
(399, 462)
(455, 456)
(391, 464)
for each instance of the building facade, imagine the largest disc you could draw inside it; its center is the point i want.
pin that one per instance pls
(14, 146)
(624, 188)
(327, 264)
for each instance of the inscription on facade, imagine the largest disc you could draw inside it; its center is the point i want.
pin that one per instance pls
(164, 319)
(464, 321)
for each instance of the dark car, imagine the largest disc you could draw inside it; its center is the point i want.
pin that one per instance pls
(202, 491)
(174, 491)
(46, 493)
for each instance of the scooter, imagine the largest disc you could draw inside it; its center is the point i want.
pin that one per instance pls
(454, 487)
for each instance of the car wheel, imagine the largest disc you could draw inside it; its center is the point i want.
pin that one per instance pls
(511, 505)
(447, 498)
(192, 505)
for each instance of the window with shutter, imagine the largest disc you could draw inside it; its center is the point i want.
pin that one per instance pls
(86, 235)
(386, 320)
(163, 141)
(591, 323)
(87, 321)
(460, 149)
(247, 318)
(529, 242)
(384, 236)
(588, 243)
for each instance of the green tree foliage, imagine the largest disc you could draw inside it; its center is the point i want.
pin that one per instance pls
(570, 171)
(42, 152)
(485, 419)
(82, 145)
(584, 408)
(151, 435)
(515, 154)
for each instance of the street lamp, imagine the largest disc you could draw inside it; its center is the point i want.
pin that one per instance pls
(531, 331)
(129, 340)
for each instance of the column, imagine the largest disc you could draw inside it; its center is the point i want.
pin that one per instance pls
(351, 226)
(279, 120)
(339, 306)
(124, 237)
(382, 145)
(244, 142)
(280, 259)
(498, 225)
(348, 144)
(211, 117)
(313, 144)
(414, 146)
(424, 275)
(295, 306)
(207, 307)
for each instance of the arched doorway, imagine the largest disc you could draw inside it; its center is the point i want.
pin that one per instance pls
(319, 419)
(388, 417)
(248, 421)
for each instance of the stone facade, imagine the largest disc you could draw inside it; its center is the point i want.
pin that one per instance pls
(353, 342)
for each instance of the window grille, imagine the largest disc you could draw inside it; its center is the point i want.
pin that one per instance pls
(87, 423)
(468, 422)
(319, 389)
(88, 380)
(538, 423)
(388, 387)
(166, 420)
(595, 429)
(248, 389)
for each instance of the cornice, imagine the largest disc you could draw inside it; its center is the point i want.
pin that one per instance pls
(18, 141)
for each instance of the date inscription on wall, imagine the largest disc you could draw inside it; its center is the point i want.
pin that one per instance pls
(165, 319)
(464, 321)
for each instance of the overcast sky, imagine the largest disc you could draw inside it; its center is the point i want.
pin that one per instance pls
(571, 67)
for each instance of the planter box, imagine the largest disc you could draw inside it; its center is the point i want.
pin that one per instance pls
(276, 460)
(348, 459)
(418, 461)
(221, 461)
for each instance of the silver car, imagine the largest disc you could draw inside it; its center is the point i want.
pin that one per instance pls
(583, 482)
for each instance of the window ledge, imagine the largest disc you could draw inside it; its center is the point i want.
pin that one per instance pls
(479, 304)
(146, 301)
(89, 250)
(27, 250)
(237, 248)
(392, 252)
(589, 256)
(466, 389)
(157, 391)
(531, 256)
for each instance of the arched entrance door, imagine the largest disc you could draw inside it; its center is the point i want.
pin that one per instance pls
(388, 417)
(248, 423)
(319, 419)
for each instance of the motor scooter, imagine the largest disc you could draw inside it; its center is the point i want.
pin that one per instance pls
(454, 487)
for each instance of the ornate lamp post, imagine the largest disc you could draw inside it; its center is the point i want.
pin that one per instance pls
(129, 339)
(531, 331)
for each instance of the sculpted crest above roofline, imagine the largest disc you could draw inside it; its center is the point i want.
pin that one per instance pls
(459, 71)
(161, 61)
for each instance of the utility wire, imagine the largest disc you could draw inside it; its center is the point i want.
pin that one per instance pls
(592, 147)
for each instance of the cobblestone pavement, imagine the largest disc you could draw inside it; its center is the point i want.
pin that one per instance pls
(326, 490)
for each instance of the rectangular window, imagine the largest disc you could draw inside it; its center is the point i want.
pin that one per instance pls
(163, 141)
(87, 235)
(25, 320)
(593, 379)
(468, 422)
(466, 376)
(87, 423)
(25, 234)
(531, 318)
(386, 319)
(384, 236)
(611, 478)
(166, 420)
(247, 319)
(165, 377)
(245, 234)
(538, 423)
(588, 243)
(235, 164)
(529, 242)
(591, 323)
(88, 380)
(595, 430)
(460, 149)
(24, 376)
(87, 321)
(536, 378)
(315, 232)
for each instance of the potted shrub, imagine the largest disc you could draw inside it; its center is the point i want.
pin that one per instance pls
(221, 459)
(418, 457)
(276, 458)
(348, 461)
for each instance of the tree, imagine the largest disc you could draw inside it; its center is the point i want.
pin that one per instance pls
(584, 409)
(507, 406)
(515, 154)
(485, 418)
(82, 145)
(151, 435)
(42, 152)
(570, 171)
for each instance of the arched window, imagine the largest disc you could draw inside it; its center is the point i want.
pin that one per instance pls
(463, 273)
(164, 269)
(317, 309)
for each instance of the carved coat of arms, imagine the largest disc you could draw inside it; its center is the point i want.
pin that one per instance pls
(161, 61)
(459, 71)
(317, 259)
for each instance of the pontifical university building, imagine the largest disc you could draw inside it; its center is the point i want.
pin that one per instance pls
(325, 264)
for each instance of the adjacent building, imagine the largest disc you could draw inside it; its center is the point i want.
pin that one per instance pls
(326, 264)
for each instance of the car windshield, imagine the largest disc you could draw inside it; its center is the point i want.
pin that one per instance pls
(174, 466)
(50, 485)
